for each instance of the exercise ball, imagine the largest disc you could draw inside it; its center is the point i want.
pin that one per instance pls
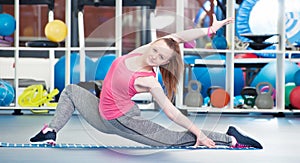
(7, 93)
(245, 55)
(268, 73)
(288, 89)
(295, 98)
(297, 78)
(190, 59)
(7, 24)
(59, 71)
(56, 30)
(103, 64)
(216, 76)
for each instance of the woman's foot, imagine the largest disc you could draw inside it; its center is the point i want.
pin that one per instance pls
(45, 136)
(242, 141)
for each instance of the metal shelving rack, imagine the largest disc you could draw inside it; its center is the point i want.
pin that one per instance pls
(118, 4)
(230, 61)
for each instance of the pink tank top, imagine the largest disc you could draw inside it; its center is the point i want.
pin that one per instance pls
(118, 89)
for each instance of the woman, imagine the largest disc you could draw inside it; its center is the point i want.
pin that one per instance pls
(115, 113)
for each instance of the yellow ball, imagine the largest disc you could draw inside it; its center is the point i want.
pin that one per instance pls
(56, 30)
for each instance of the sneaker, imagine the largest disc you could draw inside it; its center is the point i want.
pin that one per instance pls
(45, 136)
(243, 140)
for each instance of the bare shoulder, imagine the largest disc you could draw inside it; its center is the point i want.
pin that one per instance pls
(148, 82)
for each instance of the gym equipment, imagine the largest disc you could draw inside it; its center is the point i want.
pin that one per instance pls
(37, 96)
(249, 95)
(59, 71)
(258, 38)
(188, 71)
(264, 100)
(39, 43)
(103, 64)
(219, 41)
(56, 30)
(219, 98)
(288, 89)
(209, 76)
(295, 98)
(266, 88)
(94, 146)
(238, 101)
(7, 24)
(239, 45)
(7, 93)
(297, 78)
(190, 44)
(6, 41)
(193, 97)
(268, 73)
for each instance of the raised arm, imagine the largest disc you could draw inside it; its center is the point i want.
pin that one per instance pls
(195, 33)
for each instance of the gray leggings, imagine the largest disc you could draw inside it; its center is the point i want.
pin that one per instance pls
(131, 125)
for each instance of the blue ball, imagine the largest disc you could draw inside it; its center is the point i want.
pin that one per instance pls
(103, 64)
(216, 76)
(268, 73)
(59, 71)
(7, 24)
(7, 93)
(297, 78)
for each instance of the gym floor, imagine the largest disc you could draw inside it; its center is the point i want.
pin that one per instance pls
(278, 135)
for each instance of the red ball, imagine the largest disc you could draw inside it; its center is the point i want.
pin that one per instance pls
(245, 55)
(295, 98)
(219, 98)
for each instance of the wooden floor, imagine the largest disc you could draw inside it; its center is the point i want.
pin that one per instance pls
(279, 136)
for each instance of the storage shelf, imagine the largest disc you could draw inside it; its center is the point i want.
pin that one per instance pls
(26, 108)
(281, 55)
(234, 110)
(58, 48)
(202, 50)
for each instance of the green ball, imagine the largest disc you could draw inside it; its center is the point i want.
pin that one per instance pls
(288, 89)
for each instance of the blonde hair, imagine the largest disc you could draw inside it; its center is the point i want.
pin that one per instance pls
(171, 72)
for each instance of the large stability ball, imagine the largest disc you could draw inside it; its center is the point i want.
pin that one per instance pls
(295, 98)
(7, 93)
(268, 73)
(190, 59)
(7, 24)
(297, 78)
(56, 30)
(216, 76)
(59, 71)
(103, 64)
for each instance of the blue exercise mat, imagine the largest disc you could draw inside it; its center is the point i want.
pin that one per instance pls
(94, 146)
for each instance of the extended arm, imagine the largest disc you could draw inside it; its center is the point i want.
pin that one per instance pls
(171, 111)
(195, 33)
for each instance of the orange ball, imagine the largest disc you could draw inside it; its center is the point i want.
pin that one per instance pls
(219, 98)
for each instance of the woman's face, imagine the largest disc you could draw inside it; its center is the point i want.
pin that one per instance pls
(159, 53)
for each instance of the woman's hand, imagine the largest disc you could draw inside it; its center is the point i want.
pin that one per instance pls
(216, 25)
(203, 140)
